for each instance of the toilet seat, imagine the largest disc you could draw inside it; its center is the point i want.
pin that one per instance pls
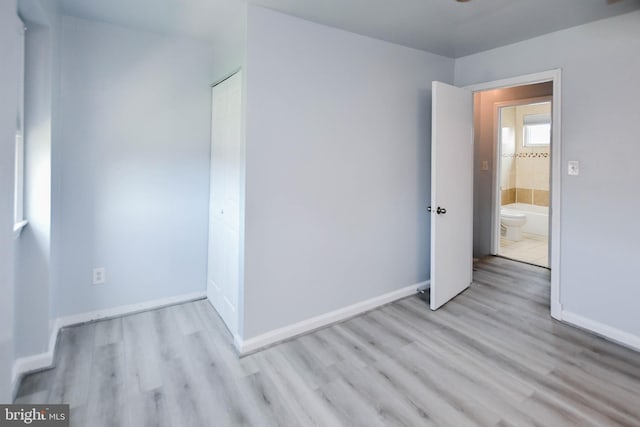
(509, 214)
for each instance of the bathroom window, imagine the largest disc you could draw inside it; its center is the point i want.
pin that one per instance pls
(537, 130)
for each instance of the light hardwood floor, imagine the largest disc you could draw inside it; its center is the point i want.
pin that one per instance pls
(491, 357)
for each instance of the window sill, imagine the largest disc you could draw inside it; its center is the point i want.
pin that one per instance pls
(17, 228)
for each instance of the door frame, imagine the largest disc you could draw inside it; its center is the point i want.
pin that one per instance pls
(496, 196)
(556, 167)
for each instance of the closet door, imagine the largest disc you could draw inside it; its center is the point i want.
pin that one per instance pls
(224, 212)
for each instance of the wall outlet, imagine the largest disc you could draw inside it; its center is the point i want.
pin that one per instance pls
(485, 165)
(573, 167)
(99, 276)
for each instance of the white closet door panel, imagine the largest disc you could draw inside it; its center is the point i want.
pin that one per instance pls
(224, 221)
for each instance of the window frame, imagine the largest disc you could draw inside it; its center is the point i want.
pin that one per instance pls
(535, 120)
(19, 220)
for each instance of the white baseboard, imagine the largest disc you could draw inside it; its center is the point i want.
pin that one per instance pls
(122, 310)
(612, 334)
(36, 362)
(278, 335)
(238, 343)
(33, 363)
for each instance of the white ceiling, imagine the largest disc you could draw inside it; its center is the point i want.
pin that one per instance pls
(440, 26)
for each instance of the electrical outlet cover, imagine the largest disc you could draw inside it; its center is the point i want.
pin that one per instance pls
(573, 168)
(99, 276)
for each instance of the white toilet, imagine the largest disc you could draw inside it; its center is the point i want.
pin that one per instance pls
(511, 223)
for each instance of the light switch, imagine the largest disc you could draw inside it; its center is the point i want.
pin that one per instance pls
(485, 165)
(574, 167)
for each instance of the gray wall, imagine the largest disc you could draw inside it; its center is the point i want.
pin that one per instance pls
(600, 92)
(8, 109)
(337, 160)
(484, 143)
(132, 183)
(228, 53)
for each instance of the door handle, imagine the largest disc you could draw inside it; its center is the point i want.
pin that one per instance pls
(441, 211)
(429, 209)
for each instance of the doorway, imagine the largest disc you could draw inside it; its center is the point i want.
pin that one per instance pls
(486, 200)
(523, 148)
(449, 115)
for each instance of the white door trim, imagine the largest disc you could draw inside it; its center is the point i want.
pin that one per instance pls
(556, 168)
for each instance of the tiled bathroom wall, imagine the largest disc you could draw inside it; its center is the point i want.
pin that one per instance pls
(508, 151)
(525, 170)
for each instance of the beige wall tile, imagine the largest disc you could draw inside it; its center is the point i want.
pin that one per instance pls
(524, 173)
(508, 196)
(507, 169)
(541, 197)
(524, 195)
(531, 172)
(541, 173)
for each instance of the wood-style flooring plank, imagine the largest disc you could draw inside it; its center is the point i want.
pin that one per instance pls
(74, 364)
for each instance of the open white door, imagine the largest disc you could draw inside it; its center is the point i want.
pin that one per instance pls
(224, 213)
(451, 192)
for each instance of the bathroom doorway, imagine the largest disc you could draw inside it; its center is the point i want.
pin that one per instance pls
(514, 171)
(523, 149)
(487, 196)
